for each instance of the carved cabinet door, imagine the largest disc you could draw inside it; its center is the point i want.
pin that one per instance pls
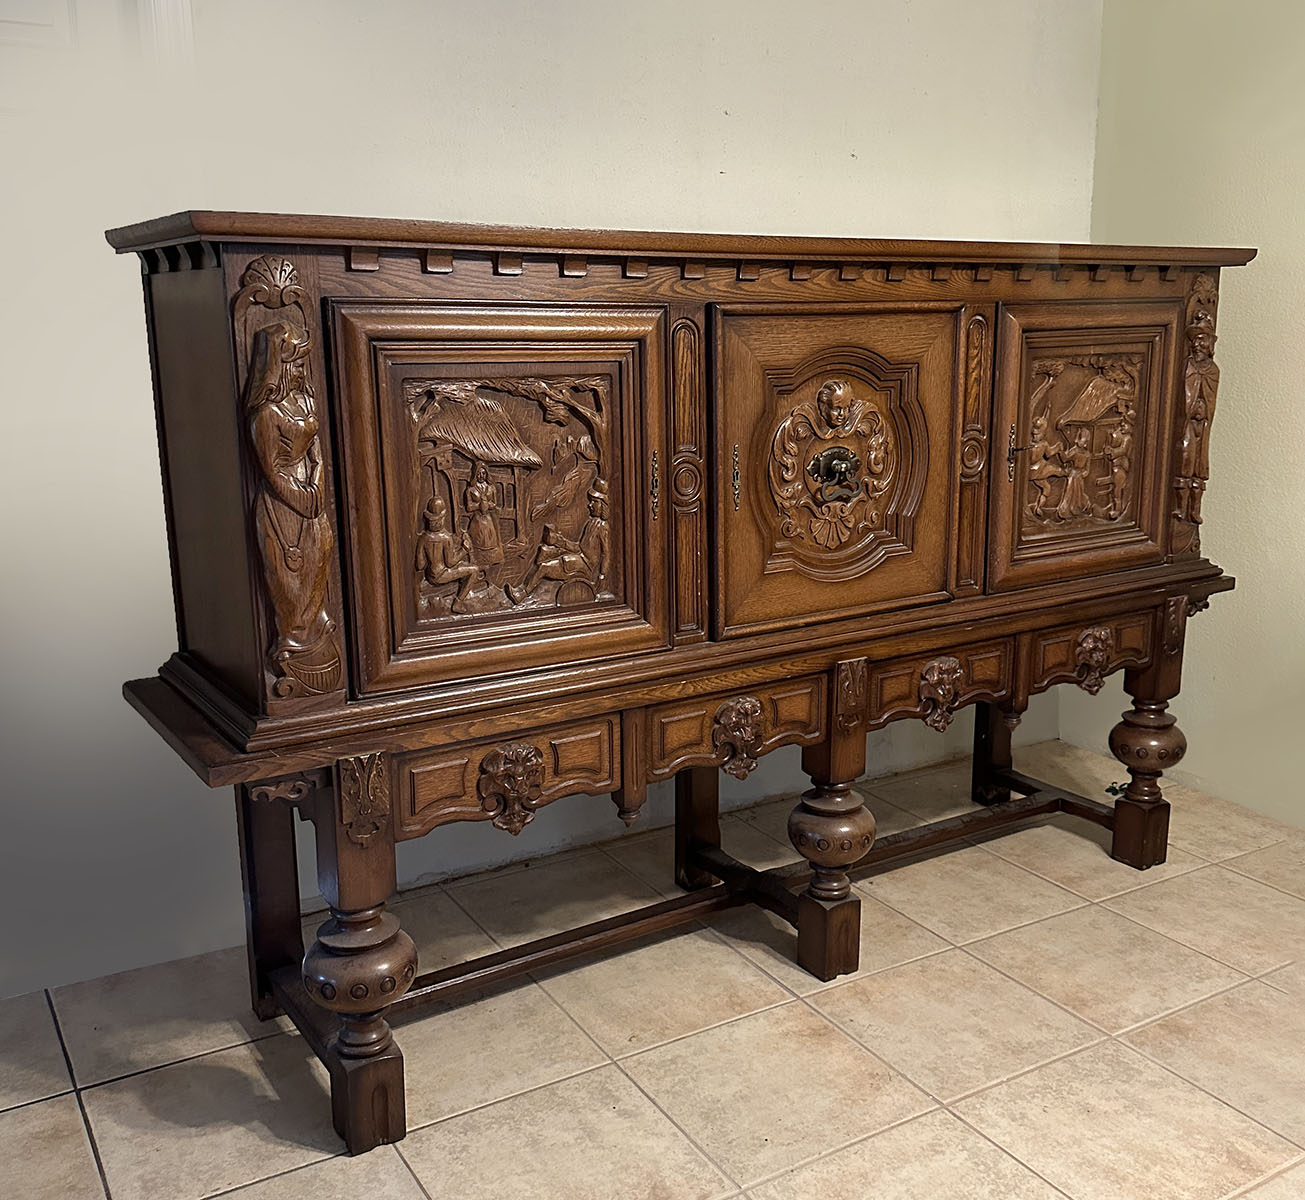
(501, 479)
(1084, 400)
(844, 482)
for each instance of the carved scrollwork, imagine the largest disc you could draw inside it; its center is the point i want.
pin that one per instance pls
(1200, 390)
(511, 781)
(736, 735)
(290, 791)
(1084, 412)
(829, 462)
(851, 693)
(1092, 654)
(940, 683)
(292, 518)
(517, 508)
(364, 783)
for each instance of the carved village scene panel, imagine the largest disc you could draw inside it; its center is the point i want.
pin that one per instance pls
(1084, 411)
(517, 481)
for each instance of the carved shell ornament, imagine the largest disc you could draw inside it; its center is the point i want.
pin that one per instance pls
(736, 735)
(830, 460)
(940, 683)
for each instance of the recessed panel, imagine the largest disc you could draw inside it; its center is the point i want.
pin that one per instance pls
(497, 465)
(837, 449)
(1084, 395)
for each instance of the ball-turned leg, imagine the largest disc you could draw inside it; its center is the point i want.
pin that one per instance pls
(361, 961)
(1148, 742)
(831, 828)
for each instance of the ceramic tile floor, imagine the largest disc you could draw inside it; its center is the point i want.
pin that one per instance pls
(1031, 1020)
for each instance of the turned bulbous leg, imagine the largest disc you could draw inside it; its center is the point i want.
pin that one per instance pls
(1147, 741)
(831, 828)
(360, 964)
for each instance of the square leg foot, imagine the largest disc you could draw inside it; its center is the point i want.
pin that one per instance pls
(1141, 837)
(829, 935)
(367, 1100)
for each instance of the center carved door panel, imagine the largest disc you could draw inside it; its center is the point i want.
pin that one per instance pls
(502, 464)
(1084, 404)
(836, 453)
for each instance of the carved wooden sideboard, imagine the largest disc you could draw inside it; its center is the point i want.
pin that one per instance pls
(467, 519)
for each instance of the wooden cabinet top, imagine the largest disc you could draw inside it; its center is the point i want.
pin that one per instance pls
(205, 225)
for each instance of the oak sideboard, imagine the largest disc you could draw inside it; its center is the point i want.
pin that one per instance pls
(466, 519)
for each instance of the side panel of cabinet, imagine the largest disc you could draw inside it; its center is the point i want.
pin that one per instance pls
(1084, 401)
(498, 469)
(837, 459)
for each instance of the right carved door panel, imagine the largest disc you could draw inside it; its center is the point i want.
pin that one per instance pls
(837, 454)
(1084, 403)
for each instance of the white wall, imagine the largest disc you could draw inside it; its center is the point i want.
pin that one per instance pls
(1202, 140)
(945, 118)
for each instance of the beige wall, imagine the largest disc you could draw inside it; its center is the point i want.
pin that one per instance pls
(1202, 140)
(828, 118)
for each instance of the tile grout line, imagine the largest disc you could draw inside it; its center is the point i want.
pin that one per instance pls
(1213, 1095)
(403, 1158)
(684, 1133)
(1197, 949)
(1009, 1153)
(231, 1191)
(81, 1107)
(1276, 1173)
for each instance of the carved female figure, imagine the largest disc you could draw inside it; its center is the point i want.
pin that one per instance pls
(294, 528)
(481, 502)
(1076, 501)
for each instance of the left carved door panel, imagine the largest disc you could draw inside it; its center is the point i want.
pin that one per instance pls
(838, 451)
(497, 469)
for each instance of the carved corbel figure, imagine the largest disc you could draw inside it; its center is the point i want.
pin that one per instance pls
(1092, 656)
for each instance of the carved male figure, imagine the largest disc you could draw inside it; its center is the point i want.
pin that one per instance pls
(1200, 386)
(1044, 465)
(1119, 457)
(562, 560)
(441, 557)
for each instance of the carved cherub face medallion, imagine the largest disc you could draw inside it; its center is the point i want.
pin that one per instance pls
(834, 400)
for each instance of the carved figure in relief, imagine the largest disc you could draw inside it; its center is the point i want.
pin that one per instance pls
(582, 562)
(443, 558)
(829, 461)
(290, 512)
(1119, 457)
(518, 464)
(481, 502)
(1200, 387)
(1090, 401)
(290, 507)
(1075, 500)
(1044, 465)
